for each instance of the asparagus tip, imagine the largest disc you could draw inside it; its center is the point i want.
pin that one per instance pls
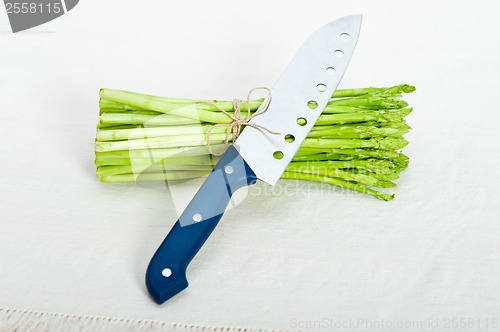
(385, 197)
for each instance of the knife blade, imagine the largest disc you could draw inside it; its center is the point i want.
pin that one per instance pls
(297, 100)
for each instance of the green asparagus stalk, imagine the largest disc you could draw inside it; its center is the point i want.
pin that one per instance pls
(338, 182)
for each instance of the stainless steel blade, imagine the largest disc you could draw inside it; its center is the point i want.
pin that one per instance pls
(311, 77)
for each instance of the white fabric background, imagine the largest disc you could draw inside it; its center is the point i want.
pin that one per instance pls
(73, 245)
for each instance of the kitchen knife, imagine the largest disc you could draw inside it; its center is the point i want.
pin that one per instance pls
(297, 100)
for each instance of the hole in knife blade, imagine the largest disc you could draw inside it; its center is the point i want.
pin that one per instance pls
(278, 155)
(301, 121)
(197, 217)
(345, 36)
(338, 53)
(290, 138)
(312, 104)
(330, 71)
(321, 88)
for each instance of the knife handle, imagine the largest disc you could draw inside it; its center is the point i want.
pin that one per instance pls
(166, 273)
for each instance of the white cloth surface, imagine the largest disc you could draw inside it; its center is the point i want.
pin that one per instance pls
(296, 256)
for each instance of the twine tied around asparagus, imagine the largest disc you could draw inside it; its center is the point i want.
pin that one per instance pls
(238, 122)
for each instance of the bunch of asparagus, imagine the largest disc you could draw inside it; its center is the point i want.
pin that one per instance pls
(355, 143)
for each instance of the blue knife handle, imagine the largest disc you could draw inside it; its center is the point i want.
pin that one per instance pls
(166, 273)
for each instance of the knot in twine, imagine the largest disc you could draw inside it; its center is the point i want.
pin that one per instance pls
(238, 122)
